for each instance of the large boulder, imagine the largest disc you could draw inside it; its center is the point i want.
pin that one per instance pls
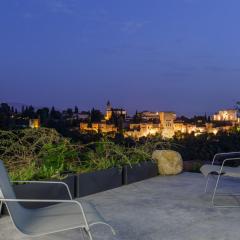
(169, 162)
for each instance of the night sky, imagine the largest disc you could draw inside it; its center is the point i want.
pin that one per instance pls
(178, 55)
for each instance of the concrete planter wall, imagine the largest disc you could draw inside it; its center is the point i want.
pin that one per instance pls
(139, 172)
(90, 183)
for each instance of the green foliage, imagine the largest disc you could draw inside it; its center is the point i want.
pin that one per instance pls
(196, 167)
(205, 146)
(37, 153)
(26, 173)
(142, 151)
(56, 158)
(44, 154)
(106, 154)
(102, 155)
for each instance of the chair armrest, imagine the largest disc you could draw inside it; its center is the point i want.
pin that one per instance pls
(38, 200)
(220, 154)
(48, 182)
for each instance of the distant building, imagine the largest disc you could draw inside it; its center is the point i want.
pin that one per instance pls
(114, 111)
(167, 123)
(182, 127)
(149, 116)
(186, 128)
(84, 127)
(211, 129)
(226, 115)
(138, 130)
(34, 123)
(107, 128)
(164, 127)
(102, 127)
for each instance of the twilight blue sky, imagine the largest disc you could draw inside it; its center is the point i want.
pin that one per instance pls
(180, 55)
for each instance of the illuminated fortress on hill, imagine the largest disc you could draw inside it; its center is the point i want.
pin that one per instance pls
(164, 124)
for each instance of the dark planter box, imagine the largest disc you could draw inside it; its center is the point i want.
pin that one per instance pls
(139, 172)
(193, 165)
(90, 183)
(43, 191)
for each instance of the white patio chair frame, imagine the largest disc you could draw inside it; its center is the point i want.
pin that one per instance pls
(86, 227)
(40, 182)
(219, 175)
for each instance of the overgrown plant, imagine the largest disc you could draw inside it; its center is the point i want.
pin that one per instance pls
(106, 154)
(41, 153)
(102, 155)
(44, 154)
(142, 151)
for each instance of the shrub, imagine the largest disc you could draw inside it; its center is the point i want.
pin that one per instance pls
(33, 154)
(204, 147)
(44, 154)
(54, 159)
(101, 155)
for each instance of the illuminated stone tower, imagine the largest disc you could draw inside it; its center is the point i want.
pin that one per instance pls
(108, 114)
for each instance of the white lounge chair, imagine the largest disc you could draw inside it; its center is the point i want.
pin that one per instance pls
(64, 215)
(221, 170)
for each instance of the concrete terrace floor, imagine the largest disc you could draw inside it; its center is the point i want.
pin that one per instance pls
(161, 208)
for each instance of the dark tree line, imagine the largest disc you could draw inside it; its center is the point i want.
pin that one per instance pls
(6, 113)
(11, 118)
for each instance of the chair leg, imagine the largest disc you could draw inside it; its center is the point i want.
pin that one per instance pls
(1, 208)
(82, 233)
(206, 187)
(215, 189)
(88, 233)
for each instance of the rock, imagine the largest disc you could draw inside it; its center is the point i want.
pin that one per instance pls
(169, 162)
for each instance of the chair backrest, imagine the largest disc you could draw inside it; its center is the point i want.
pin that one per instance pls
(16, 211)
(220, 158)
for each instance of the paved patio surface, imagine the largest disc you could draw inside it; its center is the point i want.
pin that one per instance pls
(161, 208)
